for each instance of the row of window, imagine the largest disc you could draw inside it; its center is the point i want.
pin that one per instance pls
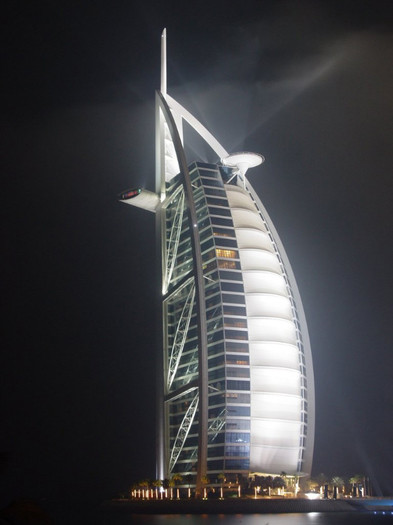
(229, 397)
(218, 464)
(229, 359)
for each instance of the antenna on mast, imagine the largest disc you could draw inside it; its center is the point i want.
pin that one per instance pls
(163, 62)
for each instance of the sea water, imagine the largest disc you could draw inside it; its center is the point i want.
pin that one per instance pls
(100, 517)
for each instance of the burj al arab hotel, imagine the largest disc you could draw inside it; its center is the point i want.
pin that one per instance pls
(236, 385)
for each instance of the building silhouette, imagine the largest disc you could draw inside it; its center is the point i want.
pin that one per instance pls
(235, 382)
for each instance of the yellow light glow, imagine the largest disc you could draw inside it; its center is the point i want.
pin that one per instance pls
(228, 254)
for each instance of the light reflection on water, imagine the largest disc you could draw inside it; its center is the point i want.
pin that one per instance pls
(312, 518)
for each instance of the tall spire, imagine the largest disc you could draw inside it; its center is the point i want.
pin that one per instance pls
(163, 62)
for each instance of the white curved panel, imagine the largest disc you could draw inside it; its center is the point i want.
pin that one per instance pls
(278, 380)
(274, 460)
(250, 238)
(274, 354)
(238, 199)
(268, 305)
(275, 433)
(273, 329)
(275, 378)
(276, 406)
(264, 282)
(247, 219)
(255, 259)
(171, 162)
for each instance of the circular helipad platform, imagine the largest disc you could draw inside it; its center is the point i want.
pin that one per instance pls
(243, 160)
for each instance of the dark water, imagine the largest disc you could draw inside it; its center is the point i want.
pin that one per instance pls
(98, 517)
(316, 518)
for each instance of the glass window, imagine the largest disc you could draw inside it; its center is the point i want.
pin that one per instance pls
(232, 298)
(219, 438)
(225, 212)
(237, 437)
(237, 464)
(214, 325)
(217, 399)
(203, 223)
(216, 412)
(215, 336)
(223, 232)
(238, 424)
(216, 361)
(205, 167)
(226, 243)
(237, 360)
(238, 411)
(202, 214)
(207, 244)
(221, 221)
(207, 181)
(238, 385)
(236, 347)
(215, 192)
(232, 287)
(218, 373)
(243, 371)
(217, 464)
(209, 266)
(228, 265)
(227, 254)
(230, 309)
(213, 201)
(236, 334)
(215, 452)
(192, 441)
(240, 450)
(213, 301)
(215, 348)
(214, 312)
(236, 397)
(200, 203)
(234, 322)
(226, 275)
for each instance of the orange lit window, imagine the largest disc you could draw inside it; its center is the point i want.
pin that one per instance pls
(228, 254)
(236, 323)
(228, 265)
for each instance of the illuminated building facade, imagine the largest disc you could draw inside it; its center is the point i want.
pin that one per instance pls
(236, 380)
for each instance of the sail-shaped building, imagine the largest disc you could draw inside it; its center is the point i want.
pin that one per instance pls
(236, 387)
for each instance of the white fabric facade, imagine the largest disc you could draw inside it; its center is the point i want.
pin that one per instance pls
(277, 418)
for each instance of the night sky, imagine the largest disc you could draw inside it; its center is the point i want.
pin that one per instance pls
(308, 85)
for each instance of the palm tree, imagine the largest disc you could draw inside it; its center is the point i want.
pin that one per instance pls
(323, 481)
(205, 481)
(171, 484)
(189, 479)
(157, 483)
(134, 487)
(145, 486)
(165, 484)
(222, 479)
(177, 478)
(356, 481)
(311, 485)
(337, 483)
(279, 483)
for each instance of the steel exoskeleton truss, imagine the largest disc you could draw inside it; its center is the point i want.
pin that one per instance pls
(180, 336)
(173, 243)
(183, 432)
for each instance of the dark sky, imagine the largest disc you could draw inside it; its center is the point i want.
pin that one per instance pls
(307, 84)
